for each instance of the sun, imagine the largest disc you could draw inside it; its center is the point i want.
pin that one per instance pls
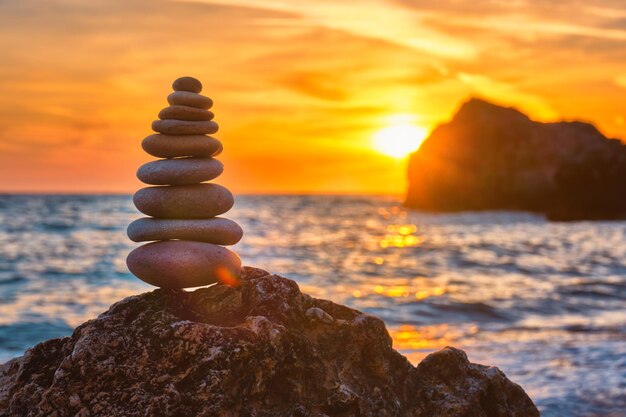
(399, 140)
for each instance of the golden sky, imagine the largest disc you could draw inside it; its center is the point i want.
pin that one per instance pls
(301, 88)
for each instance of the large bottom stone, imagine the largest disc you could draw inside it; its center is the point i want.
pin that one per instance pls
(183, 264)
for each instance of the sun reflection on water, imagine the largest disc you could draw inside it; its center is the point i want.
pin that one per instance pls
(401, 236)
(409, 337)
(399, 291)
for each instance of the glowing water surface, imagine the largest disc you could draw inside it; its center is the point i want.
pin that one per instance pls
(545, 302)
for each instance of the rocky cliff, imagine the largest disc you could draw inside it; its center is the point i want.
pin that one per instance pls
(495, 158)
(261, 349)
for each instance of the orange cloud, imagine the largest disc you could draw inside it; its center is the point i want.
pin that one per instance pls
(299, 88)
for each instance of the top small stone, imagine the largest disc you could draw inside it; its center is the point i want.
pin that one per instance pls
(187, 84)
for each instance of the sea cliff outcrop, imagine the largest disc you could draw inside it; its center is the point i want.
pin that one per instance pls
(261, 348)
(495, 158)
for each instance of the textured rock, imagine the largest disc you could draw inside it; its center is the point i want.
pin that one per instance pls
(167, 146)
(216, 230)
(185, 113)
(183, 264)
(185, 98)
(180, 171)
(187, 84)
(184, 127)
(199, 201)
(490, 158)
(254, 350)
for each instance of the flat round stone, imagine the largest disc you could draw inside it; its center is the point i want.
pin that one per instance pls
(185, 113)
(200, 201)
(185, 98)
(180, 171)
(187, 84)
(183, 264)
(168, 146)
(183, 127)
(216, 230)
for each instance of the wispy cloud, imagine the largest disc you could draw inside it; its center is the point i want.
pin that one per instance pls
(526, 26)
(375, 19)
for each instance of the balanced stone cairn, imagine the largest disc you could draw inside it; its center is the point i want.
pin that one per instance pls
(186, 234)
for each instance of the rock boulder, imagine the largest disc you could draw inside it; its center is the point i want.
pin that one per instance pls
(261, 348)
(495, 158)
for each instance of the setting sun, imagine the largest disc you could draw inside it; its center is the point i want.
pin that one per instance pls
(399, 140)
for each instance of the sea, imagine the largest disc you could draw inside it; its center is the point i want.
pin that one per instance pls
(543, 301)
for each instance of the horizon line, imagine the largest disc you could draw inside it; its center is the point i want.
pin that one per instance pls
(269, 193)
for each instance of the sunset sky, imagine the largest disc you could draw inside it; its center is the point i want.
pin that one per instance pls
(302, 89)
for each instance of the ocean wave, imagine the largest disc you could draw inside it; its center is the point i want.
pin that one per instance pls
(543, 301)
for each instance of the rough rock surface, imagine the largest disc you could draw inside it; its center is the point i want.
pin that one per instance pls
(491, 158)
(259, 349)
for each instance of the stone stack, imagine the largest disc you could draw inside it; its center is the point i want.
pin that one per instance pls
(185, 233)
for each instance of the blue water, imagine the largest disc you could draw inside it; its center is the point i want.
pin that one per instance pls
(545, 302)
